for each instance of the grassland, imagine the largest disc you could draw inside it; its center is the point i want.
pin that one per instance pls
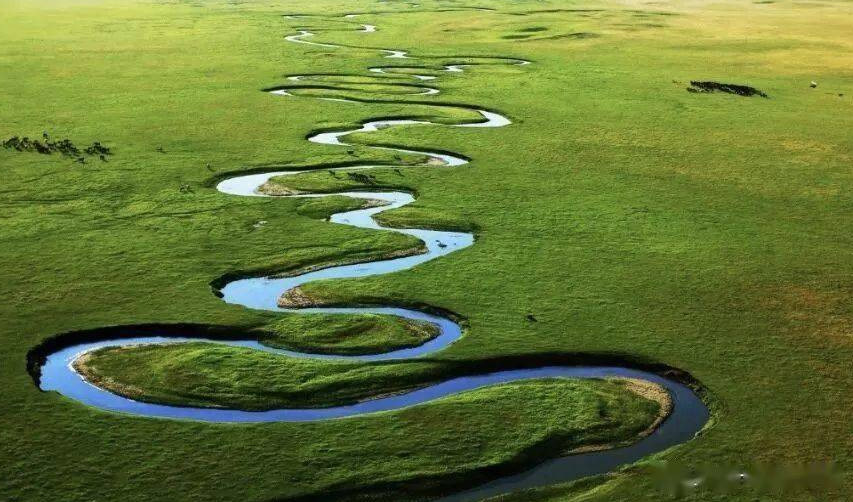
(356, 334)
(707, 232)
(200, 375)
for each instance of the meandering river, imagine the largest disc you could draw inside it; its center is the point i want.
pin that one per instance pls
(688, 416)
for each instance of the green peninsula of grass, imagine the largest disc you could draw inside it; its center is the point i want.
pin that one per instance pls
(347, 334)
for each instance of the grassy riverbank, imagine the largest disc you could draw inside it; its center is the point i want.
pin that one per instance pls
(352, 335)
(201, 374)
(709, 232)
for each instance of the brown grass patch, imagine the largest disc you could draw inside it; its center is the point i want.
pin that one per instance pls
(815, 312)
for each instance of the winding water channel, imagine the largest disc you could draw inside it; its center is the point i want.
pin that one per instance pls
(687, 418)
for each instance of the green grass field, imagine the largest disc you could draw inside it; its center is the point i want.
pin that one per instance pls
(706, 232)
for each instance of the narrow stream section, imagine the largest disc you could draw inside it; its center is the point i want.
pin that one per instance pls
(689, 413)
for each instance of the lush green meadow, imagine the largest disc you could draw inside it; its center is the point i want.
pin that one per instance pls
(707, 232)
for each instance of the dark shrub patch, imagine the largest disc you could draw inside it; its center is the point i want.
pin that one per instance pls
(62, 146)
(740, 90)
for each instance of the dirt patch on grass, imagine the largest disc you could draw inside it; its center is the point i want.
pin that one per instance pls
(296, 298)
(278, 190)
(653, 392)
(82, 365)
(814, 312)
